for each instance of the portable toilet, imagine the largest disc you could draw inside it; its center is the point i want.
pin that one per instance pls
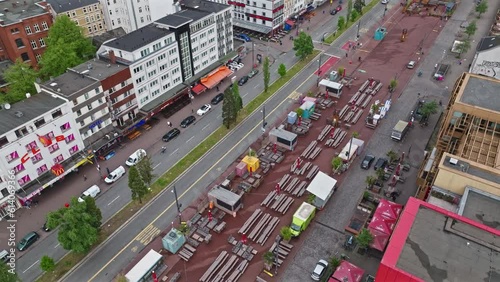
(307, 108)
(380, 33)
(292, 118)
(173, 241)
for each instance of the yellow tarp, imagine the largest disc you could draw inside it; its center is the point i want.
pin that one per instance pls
(252, 163)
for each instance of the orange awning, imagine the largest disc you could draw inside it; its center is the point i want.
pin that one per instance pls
(212, 79)
(198, 89)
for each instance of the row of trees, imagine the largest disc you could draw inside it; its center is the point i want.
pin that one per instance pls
(232, 104)
(66, 47)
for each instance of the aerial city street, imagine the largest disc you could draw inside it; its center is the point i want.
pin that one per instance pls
(199, 140)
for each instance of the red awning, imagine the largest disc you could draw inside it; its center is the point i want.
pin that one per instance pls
(389, 209)
(290, 23)
(383, 224)
(348, 272)
(213, 78)
(198, 89)
(380, 239)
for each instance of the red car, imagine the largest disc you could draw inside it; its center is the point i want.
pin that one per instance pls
(336, 10)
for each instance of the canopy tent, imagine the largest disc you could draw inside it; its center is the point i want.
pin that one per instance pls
(344, 155)
(225, 200)
(334, 88)
(198, 89)
(389, 209)
(380, 239)
(213, 78)
(383, 224)
(348, 272)
(322, 187)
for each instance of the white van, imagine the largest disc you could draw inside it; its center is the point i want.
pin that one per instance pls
(115, 175)
(91, 192)
(135, 157)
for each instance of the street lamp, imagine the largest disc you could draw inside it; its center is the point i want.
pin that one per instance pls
(253, 56)
(276, 252)
(319, 68)
(359, 24)
(177, 204)
(264, 123)
(385, 10)
(98, 167)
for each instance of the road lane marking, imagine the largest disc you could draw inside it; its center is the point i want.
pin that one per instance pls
(207, 171)
(31, 266)
(174, 151)
(148, 234)
(256, 86)
(113, 200)
(156, 165)
(205, 127)
(190, 139)
(58, 244)
(244, 95)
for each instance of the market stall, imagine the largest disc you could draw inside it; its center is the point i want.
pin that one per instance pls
(225, 200)
(322, 187)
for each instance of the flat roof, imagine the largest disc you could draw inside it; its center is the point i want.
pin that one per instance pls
(70, 83)
(27, 110)
(283, 133)
(99, 69)
(322, 185)
(468, 168)
(146, 263)
(138, 38)
(62, 6)
(437, 245)
(252, 26)
(15, 11)
(204, 5)
(488, 42)
(175, 20)
(480, 206)
(224, 195)
(481, 92)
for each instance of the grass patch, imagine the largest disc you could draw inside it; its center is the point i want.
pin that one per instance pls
(334, 36)
(110, 226)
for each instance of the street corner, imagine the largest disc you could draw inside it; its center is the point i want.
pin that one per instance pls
(348, 45)
(328, 64)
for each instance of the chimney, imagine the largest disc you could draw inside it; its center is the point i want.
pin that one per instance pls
(112, 56)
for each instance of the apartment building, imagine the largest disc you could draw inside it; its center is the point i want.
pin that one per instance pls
(168, 55)
(132, 15)
(39, 144)
(294, 7)
(85, 13)
(467, 151)
(23, 29)
(261, 16)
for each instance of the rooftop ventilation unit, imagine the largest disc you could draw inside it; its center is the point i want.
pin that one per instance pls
(19, 114)
(453, 161)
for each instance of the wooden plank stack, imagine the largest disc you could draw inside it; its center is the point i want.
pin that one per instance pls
(309, 149)
(219, 261)
(358, 115)
(250, 221)
(301, 188)
(326, 130)
(313, 172)
(238, 271)
(343, 112)
(315, 153)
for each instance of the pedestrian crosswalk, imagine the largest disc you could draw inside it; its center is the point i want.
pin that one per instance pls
(148, 234)
(294, 95)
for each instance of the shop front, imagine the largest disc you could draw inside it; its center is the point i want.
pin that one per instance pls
(168, 103)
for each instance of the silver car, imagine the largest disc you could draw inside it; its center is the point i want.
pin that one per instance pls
(319, 270)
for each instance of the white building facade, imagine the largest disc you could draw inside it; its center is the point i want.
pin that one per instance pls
(44, 133)
(262, 16)
(293, 7)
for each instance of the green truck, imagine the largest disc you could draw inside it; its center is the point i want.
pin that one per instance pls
(302, 218)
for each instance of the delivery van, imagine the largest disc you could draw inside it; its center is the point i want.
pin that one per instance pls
(91, 192)
(302, 217)
(135, 157)
(115, 175)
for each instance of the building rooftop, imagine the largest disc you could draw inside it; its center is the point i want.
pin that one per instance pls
(98, 40)
(471, 169)
(27, 110)
(70, 83)
(62, 6)
(138, 38)
(15, 11)
(480, 206)
(482, 92)
(436, 245)
(488, 43)
(204, 5)
(98, 69)
(183, 17)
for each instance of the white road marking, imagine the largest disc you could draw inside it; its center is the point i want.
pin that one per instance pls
(256, 86)
(156, 165)
(31, 266)
(190, 139)
(205, 127)
(58, 244)
(244, 95)
(113, 200)
(174, 151)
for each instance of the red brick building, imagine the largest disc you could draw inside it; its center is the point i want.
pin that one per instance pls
(23, 31)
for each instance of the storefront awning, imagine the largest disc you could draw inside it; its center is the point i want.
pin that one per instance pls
(213, 78)
(290, 23)
(198, 89)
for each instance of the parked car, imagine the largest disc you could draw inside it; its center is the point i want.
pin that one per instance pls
(187, 121)
(27, 241)
(367, 161)
(91, 192)
(384, 1)
(115, 175)
(243, 80)
(411, 64)
(333, 12)
(135, 157)
(171, 134)
(217, 99)
(381, 163)
(244, 37)
(319, 270)
(253, 73)
(204, 109)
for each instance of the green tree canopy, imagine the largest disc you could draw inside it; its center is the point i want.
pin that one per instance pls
(47, 263)
(358, 6)
(137, 185)
(341, 23)
(145, 168)
(354, 15)
(471, 29)
(238, 102)
(463, 47)
(8, 274)
(428, 109)
(266, 74)
(228, 108)
(92, 209)
(482, 8)
(364, 238)
(349, 10)
(66, 47)
(282, 70)
(303, 45)
(21, 78)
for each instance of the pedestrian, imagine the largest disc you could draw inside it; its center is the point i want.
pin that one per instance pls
(346, 55)
(192, 110)
(107, 169)
(359, 59)
(440, 103)
(84, 177)
(217, 87)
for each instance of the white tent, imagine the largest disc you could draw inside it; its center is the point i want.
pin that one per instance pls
(322, 186)
(344, 155)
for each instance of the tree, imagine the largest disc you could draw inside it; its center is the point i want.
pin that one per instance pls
(370, 180)
(21, 79)
(266, 73)
(341, 22)
(286, 233)
(471, 29)
(8, 274)
(337, 163)
(282, 70)
(358, 6)
(93, 210)
(393, 156)
(393, 84)
(47, 263)
(228, 108)
(303, 45)
(463, 47)
(238, 102)
(481, 8)
(354, 15)
(66, 47)
(145, 168)
(364, 238)
(137, 185)
(268, 259)
(349, 10)
(428, 109)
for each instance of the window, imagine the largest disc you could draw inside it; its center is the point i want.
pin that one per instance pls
(19, 43)
(150, 63)
(82, 123)
(5, 192)
(38, 57)
(142, 19)
(56, 114)
(36, 27)
(42, 169)
(50, 135)
(18, 168)
(25, 57)
(58, 159)
(137, 69)
(162, 56)
(139, 80)
(86, 96)
(97, 90)
(70, 138)
(73, 150)
(45, 26)
(65, 127)
(153, 83)
(36, 158)
(99, 100)
(89, 107)
(152, 73)
(54, 147)
(33, 44)
(21, 132)
(12, 156)
(31, 146)
(42, 42)
(140, 9)
(123, 84)
(145, 52)
(84, 9)
(14, 30)
(24, 180)
(39, 122)
(79, 112)
(28, 29)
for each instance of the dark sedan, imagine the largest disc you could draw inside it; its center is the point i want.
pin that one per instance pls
(217, 99)
(367, 161)
(243, 80)
(171, 134)
(380, 164)
(187, 121)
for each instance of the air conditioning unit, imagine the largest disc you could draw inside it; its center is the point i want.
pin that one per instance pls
(453, 161)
